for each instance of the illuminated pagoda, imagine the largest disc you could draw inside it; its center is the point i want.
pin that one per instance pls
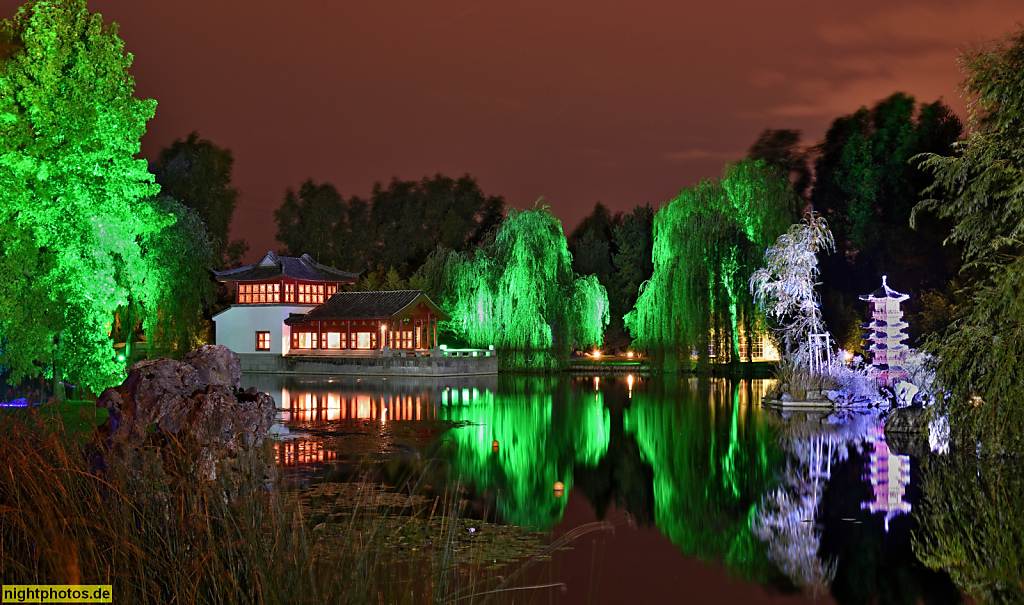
(885, 334)
(267, 293)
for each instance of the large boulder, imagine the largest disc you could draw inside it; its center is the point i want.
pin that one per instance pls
(194, 403)
(216, 364)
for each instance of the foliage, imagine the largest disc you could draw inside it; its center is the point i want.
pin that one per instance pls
(180, 257)
(520, 294)
(176, 536)
(616, 249)
(707, 243)
(306, 221)
(865, 187)
(399, 226)
(73, 214)
(980, 190)
(197, 174)
(971, 525)
(781, 149)
(784, 289)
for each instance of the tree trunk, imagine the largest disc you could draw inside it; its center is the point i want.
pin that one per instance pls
(58, 370)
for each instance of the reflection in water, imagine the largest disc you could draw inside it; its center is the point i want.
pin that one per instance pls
(712, 458)
(311, 407)
(543, 432)
(302, 451)
(787, 499)
(889, 474)
(972, 524)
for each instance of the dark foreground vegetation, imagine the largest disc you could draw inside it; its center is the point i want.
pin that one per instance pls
(160, 531)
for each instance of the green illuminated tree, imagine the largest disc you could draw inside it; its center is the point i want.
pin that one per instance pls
(197, 174)
(520, 294)
(73, 192)
(180, 257)
(707, 243)
(980, 190)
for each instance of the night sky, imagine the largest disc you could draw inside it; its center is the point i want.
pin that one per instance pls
(577, 102)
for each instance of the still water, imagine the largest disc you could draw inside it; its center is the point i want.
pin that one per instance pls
(709, 497)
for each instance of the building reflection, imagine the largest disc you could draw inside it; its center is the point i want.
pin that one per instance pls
(309, 406)
(296, 452)
(889, 475)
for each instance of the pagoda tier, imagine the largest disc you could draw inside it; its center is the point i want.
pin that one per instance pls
(885, 334)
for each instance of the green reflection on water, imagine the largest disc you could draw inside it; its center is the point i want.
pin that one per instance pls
(543, 433)
(713, 459)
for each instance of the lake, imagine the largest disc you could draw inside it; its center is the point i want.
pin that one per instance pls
(706, 495)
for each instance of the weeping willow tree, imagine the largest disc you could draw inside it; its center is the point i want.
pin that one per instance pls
(543, 434)
(707, 243)
(520, 294)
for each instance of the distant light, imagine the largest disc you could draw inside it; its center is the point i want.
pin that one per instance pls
(383, 328)
(597, 354)
(120, 357)
(559, 489)
(629, 354)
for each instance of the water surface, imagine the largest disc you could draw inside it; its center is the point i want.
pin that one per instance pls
(711, 497)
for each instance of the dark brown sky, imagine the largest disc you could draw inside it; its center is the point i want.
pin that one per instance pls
(623, 102)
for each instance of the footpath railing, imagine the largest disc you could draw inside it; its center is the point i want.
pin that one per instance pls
(441, 351)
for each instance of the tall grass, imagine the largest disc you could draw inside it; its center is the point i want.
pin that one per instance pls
(158, 531)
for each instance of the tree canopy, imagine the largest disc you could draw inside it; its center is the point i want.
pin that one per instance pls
(981, 190)
(74, 214)
(865, 187)
(398, 227)
(519, 293)
(617, 250)
(707, 243)
(197, 174)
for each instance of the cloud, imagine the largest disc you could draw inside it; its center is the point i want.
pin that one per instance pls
(858, 61)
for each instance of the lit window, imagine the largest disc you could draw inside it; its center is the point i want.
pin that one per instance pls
(363, 340)
(304, 340)
(289, 293)
(262, 341)
(334, 339)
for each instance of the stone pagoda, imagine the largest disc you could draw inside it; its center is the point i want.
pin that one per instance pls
(885, 334)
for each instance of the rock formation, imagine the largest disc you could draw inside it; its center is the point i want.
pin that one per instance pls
(195, 403)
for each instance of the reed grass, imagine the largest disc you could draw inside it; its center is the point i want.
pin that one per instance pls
(157, 530)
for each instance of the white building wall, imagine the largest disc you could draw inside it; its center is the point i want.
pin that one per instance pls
(237, 327)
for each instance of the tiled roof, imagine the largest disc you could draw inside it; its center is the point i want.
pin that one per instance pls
(884, 292)
(368, 305)
(273, 266)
